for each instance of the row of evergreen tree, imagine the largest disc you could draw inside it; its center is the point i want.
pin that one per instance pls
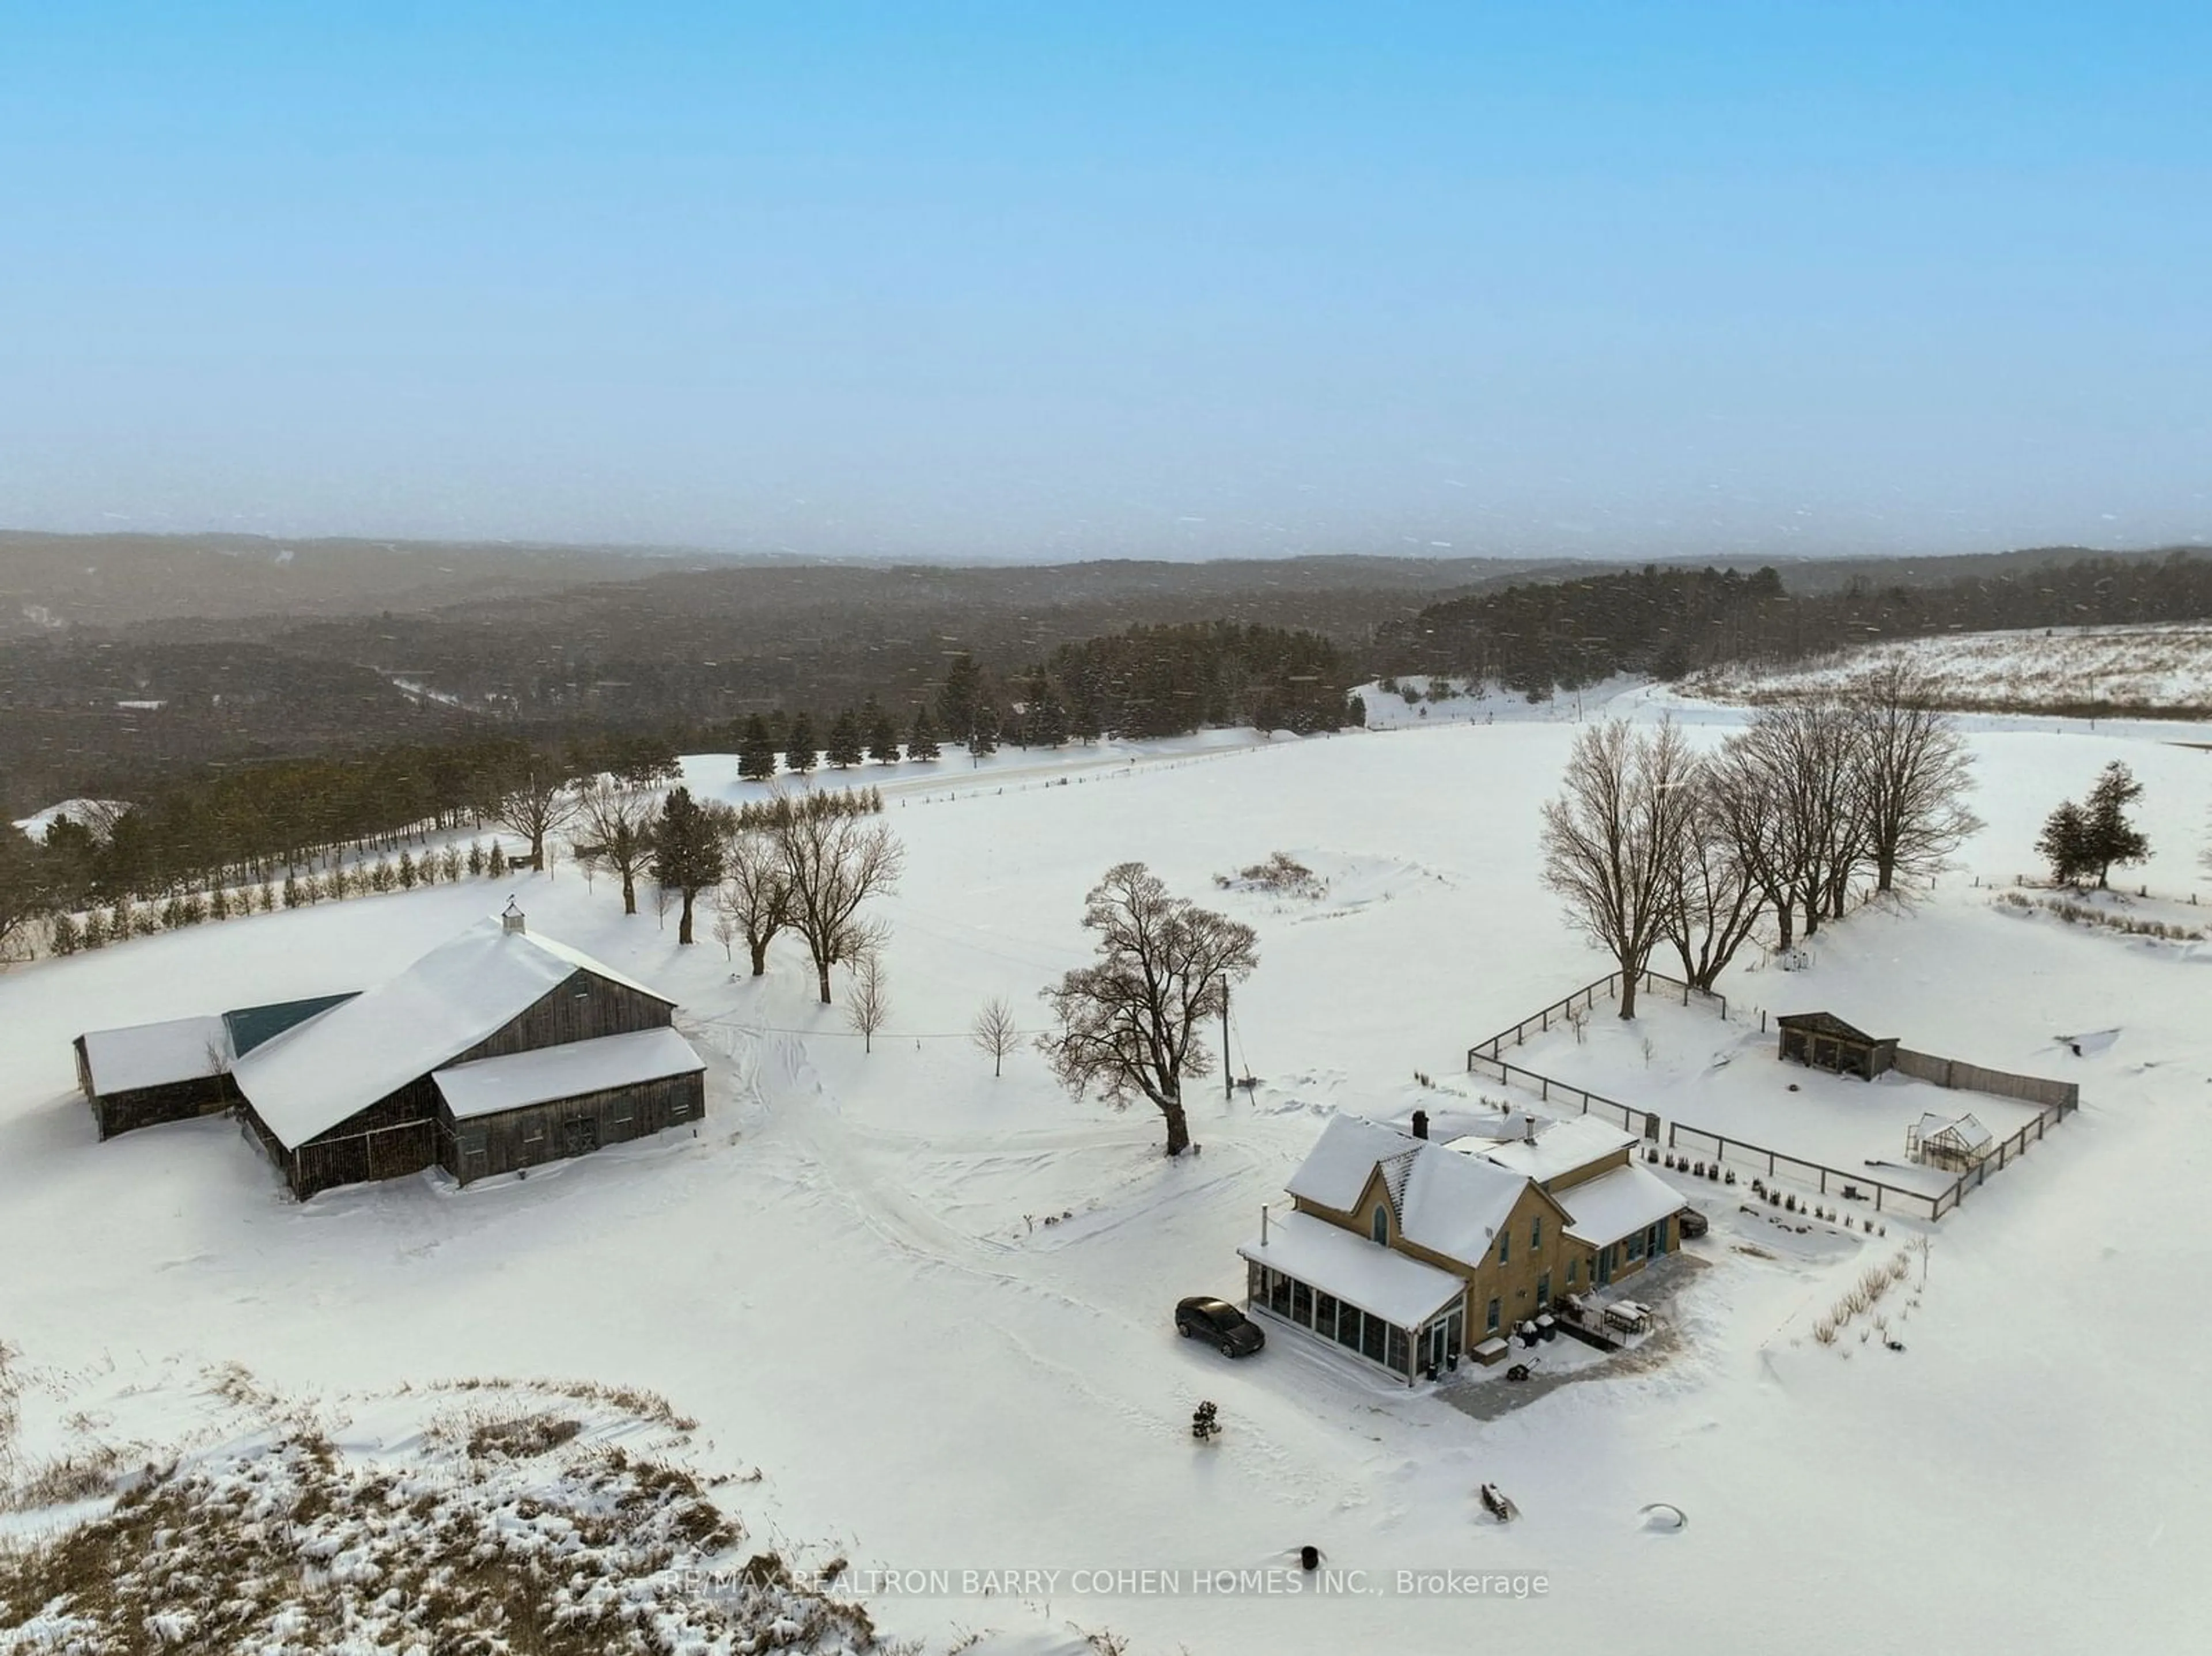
(67, 934)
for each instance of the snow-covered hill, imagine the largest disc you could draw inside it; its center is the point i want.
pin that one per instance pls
(2082, 670)
(934, 1308)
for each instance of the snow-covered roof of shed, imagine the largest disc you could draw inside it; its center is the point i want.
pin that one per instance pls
(1603, 1210)
(1336, 1170)
(1558, 1148)
(488, 1086)
(156, 1054)
(1395, 1286)
(314, 1076)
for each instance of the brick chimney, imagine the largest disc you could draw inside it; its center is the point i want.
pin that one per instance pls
(1420, 1124)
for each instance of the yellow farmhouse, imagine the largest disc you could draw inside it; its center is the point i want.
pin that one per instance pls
(1407, 1253)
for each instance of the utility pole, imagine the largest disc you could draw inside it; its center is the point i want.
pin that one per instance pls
(1228, 1075)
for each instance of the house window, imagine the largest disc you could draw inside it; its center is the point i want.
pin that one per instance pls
(1505, 1246)
(1490, 1317)
(1379, 1225)
(1574, 1269)
(1544, 1291)
(1535, 1233)
(1635, 1246)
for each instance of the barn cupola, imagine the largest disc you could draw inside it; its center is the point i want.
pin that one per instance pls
(510, 920)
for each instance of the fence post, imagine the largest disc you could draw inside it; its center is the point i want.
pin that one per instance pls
(1878, 1190)
(1824, 1181)
(1770, 1164)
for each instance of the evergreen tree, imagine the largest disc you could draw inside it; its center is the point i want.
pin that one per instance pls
(2113, 839)
(494, 862)
(757, 751)
(882, 735)
(476, 858)
(1044, 720)
(66, 938)
(2064, 844)
(688, 852)
(983, 734)
(218, 906)
(960, 696)
(799, 754)
(845, 743)
(922, 743)
(408, 873)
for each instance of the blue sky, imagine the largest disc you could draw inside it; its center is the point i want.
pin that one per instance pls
(1056, 280)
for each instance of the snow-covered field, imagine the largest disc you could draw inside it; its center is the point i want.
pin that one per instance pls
(2078, 670)
(932, 1308)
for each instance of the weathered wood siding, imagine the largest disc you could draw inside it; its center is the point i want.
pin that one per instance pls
(486, 1145)
(147, 1106)
(581, 1007)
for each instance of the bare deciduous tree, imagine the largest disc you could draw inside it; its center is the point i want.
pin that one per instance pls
(754, 900)
(995, 1033)
(1915, 773)
(1715, 895)
(868, 998)
(617, 829)
(1612, 839)
(538, 804)
(1129, 1024)
(833, 864)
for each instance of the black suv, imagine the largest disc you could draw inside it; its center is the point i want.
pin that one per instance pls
(1221, 1323)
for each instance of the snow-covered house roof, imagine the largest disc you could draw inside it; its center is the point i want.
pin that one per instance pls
(1337, 1167)
(487, 1086)
(156, 1054)
(1603, 1210)
(1557, 1149)
(313, 1077)
(1450, 1204)
(1394, 1286)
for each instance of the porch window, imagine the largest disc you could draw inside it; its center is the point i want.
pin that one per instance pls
(1399, 1360)
(1348, 1326)
(1374, 1338)
(1325, 1315)
(1302, 1305)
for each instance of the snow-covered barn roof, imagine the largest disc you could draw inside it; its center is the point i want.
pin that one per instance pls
(1394, 1286)
(488, 1086)
(156, 1054)
(314, 1076)
(1448, 1203)
(1603, 1210)
(1557, 1149)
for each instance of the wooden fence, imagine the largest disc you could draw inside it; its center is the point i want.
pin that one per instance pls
(2053, 1099)
(1606, 988)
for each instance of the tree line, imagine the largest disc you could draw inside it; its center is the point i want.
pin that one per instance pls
(1665, 622)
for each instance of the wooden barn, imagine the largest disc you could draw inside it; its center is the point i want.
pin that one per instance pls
(1823, 1041)
(496, 1052)
(148, 1073)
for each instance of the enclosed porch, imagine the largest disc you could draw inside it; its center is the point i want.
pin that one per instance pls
(1384, 1307)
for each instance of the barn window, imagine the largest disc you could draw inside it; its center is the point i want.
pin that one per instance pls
(680, 1110)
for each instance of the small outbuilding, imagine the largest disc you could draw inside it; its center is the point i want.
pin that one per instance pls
(1823, 1041)
(1954, 1144)
(144, 1074)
